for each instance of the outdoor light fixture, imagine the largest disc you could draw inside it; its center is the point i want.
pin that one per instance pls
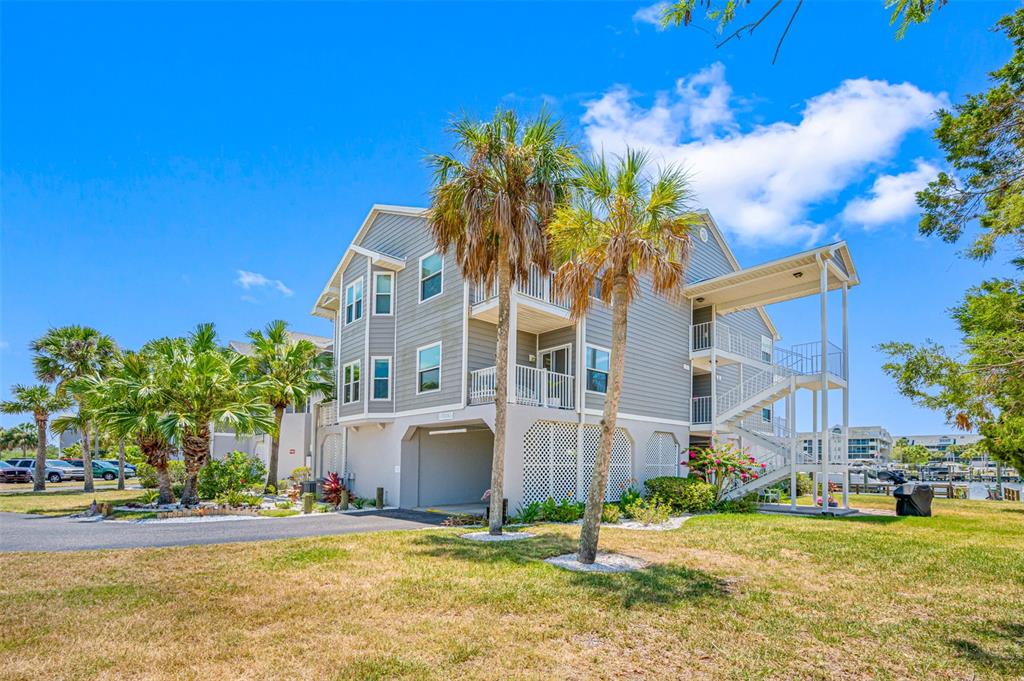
(700, 300)
(797, 275)
(451, 431)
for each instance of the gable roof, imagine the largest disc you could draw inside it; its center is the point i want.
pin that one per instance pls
(723, 244)
(327, 302)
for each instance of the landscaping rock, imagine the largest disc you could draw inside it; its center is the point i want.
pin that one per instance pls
(504, 536)
(605, 562)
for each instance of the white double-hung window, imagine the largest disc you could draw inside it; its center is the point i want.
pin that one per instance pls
(381, 378)
(431, 276)
(350, 382)
(383, 293)
(354, 301)
(597, 369)
(428, 368)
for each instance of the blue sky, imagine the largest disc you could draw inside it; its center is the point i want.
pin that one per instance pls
(153, 152)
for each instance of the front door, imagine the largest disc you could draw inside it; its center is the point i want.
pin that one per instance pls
(556, 360)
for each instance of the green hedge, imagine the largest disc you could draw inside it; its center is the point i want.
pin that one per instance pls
(689, 495)
(147, 474)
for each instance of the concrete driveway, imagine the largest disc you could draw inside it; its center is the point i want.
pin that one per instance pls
(21, 532)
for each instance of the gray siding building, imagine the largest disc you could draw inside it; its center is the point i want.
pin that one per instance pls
(415, 364)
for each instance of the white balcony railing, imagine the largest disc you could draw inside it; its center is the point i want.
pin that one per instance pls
(533, 387)
(707, 334)
(700, 410)
(538, 285)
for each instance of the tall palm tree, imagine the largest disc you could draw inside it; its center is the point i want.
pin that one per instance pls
(622, 225)
(40, 402)
(293, 371)
(489, 203)
(201, 383)
(130, 405)
(67, 353)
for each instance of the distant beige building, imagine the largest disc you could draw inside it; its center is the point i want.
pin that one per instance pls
(866, 442)
(940, 443)
(296, 427)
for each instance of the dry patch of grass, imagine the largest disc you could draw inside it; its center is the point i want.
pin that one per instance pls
(63, 503)
(727, 597)
(71, 485)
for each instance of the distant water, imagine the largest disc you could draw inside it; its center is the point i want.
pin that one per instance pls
(975, 490)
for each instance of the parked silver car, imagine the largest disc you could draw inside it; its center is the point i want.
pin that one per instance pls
(56, 471)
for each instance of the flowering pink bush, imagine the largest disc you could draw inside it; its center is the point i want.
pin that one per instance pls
(724, 465)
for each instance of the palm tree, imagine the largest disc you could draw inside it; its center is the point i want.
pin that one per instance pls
(491, 206)
(293, 371)
(201, 383)
(40, 402)
(73, 352)
(622, 225)
(129, 405)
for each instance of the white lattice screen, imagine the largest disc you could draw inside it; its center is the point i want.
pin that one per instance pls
(552, 468)
(332, 455)
(662, 455)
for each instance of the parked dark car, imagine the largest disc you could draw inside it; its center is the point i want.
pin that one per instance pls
(9, 473)
(129, 468)
(53, 473)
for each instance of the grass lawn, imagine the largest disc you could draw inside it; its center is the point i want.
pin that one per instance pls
(729, 596)
(63, 502)
(69, 485)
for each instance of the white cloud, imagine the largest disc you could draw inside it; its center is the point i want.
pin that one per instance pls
(891, 197)
(761, 184)
(651, 14)
(249, 280)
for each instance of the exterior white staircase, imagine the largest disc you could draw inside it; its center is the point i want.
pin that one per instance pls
(739, 410)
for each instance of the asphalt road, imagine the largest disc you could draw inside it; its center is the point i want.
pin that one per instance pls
(21, 532)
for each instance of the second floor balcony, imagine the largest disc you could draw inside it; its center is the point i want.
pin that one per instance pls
(732, 346)
(538, 309)
(532, 387)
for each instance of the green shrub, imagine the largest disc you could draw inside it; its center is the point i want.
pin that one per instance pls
(239, 499)
(564, 511)
(149, 496)
(527, 514)
(146, 474)
(628, 496)
(747, 504)
(689, 495)
(610, 514)
(236, 472)
(804, 485)
(283, 504)
(648, 511)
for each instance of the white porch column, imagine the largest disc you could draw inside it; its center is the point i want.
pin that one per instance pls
(846, 399)
(791, 423)
(714, 374)
(815, 442)
(513, 336)
(824, 386)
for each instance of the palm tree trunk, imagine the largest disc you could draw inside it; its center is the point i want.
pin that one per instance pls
(497, 504)
(87, 459)
(197, 450)
(275, 446)
(39, 483)
(163, 481)
(120, 464)
(599, 478)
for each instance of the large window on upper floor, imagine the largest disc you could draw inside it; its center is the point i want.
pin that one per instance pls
(597, 369)
(354, 301)
(383, 293)
(431, 276)
(381, 378)
(350, 382)
(428, 368)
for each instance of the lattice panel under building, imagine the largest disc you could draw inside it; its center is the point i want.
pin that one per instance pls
(549, 461)
(661, 455)
(620, 469)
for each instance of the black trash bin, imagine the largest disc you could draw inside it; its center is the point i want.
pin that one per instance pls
(914, 499)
